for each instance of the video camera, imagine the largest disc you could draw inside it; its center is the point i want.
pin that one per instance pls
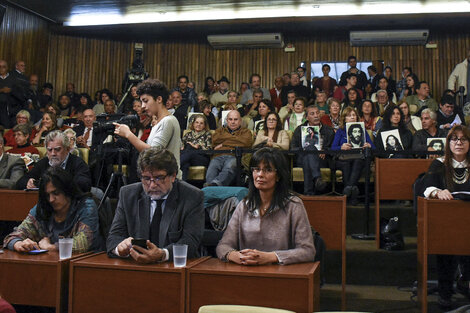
(104, 123)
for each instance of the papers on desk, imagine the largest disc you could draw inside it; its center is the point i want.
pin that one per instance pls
(461, 195)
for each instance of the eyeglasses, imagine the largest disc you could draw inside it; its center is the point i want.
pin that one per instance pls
(266, 170)
(461, 139)
(156, 179)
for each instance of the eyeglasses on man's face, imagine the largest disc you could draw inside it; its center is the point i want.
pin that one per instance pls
(155, 179)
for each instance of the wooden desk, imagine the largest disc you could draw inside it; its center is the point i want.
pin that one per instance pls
(102, 284)
(293, 287)
(39, 280)
(328, 216)
(15, 204)
(442, 229)
(394, 180)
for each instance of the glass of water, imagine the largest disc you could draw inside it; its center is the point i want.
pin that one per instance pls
(65, 248)
(180, 253)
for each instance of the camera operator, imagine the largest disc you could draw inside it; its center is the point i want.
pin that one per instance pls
(166, 132)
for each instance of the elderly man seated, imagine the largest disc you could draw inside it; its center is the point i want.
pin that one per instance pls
(221, 171)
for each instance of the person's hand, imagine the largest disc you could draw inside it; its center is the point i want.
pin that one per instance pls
(45, 244)
(152, 254)
(5, 90)
(25, 245)
(218, 147)
(346, 146)
(446, 125)
(235, 257)
(195, 146)
(30, 184)
(122, 130)
(322, 156)
(366, 145)
(43, 129)
(256, 257)
(444, 195)
(124, 247)
(270, 142)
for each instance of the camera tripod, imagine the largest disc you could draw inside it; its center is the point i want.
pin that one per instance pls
(116, 177)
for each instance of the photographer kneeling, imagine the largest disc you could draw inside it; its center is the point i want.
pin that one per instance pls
(165, 133)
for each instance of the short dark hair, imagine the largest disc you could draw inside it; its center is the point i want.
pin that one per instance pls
(418, 86)
(254, 75)
(351, 128)
(326, 65)
(349, 75)
(183, 76)
(408, 68)
(258, 91)
(351, 57)
(23, 128)
(447, 99)
(108, 92)
(372, 68)
(204, 104)
(63, 182)
(156, 158)
(153, 88)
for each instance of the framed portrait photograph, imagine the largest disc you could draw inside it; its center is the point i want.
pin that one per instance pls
(437, 144)
(356, 134)
(191, 116)
(224, 117)
(310, 137)
(391, 140)
(259, 125)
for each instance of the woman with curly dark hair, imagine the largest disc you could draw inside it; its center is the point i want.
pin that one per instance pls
(394, 119)
(270, 225)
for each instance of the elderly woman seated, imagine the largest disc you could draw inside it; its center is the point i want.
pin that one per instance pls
(270, 225)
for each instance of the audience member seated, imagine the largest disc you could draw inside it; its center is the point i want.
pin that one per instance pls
(12, 168)
(62, 210)
(84, 133)
(421, 100)
(145, 121)
(401, 84)
(205, 107)
(198, 138)
(85, 101)
(251, 108)
(303, 79)
(53, 109)
(181, 109)
(325, 83)
(221, 94)
(255, 84)
(70, 92)
(394, 119)
(270, 225)
(447, 116)
(383, 102)
(410, 88)
(57, 149)
(321, 103)
(368, 91)
(275, 93)
(72, 135)
(65, 106)
(188, 94)
(22, 144)
(222, 168)
(429, 130)
(391, 82)
(353, 99)
(351, 82)
(297, 116)
(231, 104)
(446, 175)
(22, 117)
(105, 94)
(351, 165)
(45, 97)
(368, 115)
(209, 86)
(332, 119)
(295, 85)
(109, 107)
(48, 124)
(361, 76)
(256, 123)
(289, 106)
(383, 84)
(412, 122)
(319, 139)
(272, 134)
(160, 209)
(373, 76)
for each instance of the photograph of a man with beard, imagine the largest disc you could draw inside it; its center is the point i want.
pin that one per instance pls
(356, 134)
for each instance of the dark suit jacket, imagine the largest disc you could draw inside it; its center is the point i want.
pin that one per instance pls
(75, 166)
(182, 221)
(80, 131)
(11, 169)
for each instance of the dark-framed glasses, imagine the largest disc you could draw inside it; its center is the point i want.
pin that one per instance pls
(454, 139)
(156, 179)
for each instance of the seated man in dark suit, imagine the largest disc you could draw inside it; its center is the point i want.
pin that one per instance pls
(85, 138)
(58, 148)
(161, 209)
(12, 167)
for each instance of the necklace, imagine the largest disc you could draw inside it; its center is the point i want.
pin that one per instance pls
(460, 178)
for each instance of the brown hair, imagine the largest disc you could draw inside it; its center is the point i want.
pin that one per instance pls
(193, 119)
(346, 111)
(449, 169)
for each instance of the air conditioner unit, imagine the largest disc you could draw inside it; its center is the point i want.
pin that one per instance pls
(389, 37)
(243, 41)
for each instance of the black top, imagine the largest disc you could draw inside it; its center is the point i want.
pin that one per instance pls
(435, 177)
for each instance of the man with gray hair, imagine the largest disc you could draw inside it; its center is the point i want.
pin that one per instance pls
(58, 154)
(382, 101)
(12, 167)
(159, 209)
(430, 130)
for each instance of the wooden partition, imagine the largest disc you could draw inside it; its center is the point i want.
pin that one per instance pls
(93, 63)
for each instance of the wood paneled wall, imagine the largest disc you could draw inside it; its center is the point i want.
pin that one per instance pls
(24, 36)
(93, 64)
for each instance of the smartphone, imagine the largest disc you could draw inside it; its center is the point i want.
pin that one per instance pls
(37, 251)
(139, 242)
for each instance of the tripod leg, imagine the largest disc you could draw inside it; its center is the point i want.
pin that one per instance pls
(111, 180)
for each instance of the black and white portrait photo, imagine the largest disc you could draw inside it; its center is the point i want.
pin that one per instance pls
(310, 137)
(436, 144)
(391, 140)
(356, 134)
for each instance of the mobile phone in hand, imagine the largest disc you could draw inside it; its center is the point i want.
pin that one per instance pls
(139, 242)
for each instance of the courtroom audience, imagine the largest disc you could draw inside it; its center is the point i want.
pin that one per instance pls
(198, 138)
(255, 84)
(22, 141)
(209, 86)
(332, 119)
(360, 75)
(22, 117)
(353, 99)
(383, 84)
(205, 108)
(222, 93)
(289, 106)
(256, 123)
(351, 165)
(326, 83)
(446, 175)
(429, 130)
(422, 99)
(270, 225)
(297, 116)
(62, 210)
(393, 119)
(48, 124)
(409, 89)
(448, 115)
(368, 114)
(12, 168)
(412, 122)
(391, 82)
